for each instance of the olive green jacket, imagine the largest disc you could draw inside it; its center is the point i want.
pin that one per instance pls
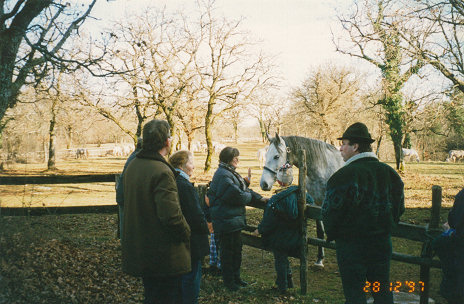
(156, 236)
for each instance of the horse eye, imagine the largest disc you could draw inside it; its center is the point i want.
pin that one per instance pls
(276, 157)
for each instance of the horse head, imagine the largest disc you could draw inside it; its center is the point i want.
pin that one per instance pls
(276, 157)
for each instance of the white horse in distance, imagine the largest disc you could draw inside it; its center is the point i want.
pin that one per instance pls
(455, 155)
(261, 155)
(411, 154)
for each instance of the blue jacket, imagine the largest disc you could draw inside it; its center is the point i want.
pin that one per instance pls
(279, 227)
(228, 197)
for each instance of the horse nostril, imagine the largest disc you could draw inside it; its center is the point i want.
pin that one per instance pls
(264, 186)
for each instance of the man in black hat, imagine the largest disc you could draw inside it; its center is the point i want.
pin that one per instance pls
(363, 201)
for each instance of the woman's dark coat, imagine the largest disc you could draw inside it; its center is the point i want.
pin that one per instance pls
(190, 205)
(228, 196)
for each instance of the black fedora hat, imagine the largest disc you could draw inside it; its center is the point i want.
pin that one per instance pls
(357, 132)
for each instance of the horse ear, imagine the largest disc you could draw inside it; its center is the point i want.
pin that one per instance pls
(279, 139)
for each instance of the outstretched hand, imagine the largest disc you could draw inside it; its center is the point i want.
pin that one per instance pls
(248, 177)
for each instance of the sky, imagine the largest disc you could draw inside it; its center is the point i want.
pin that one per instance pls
(296, 32)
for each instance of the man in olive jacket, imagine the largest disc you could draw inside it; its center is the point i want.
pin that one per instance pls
(364, 200)
(155, 243)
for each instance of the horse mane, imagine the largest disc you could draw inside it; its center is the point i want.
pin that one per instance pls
(316, 150)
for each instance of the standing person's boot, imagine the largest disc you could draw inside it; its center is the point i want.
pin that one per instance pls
(289, 281)
(230, 285)
(229, 280)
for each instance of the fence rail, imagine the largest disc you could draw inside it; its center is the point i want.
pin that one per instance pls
(56, 179)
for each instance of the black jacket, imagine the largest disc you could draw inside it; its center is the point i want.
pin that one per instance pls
(190, 205)
(456, 215)
(228, 197)
(279, 227)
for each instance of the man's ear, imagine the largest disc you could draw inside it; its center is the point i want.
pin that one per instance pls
(355, 147)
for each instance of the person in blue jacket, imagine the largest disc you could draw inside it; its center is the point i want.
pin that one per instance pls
(183, 163)
(280, 228)
(228, 195)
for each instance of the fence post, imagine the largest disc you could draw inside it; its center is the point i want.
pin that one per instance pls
(201, 190)
(118, 230)
(303, 221)
(432, 230)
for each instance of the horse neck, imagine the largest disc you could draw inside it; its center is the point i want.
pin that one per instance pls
(312, 169)
(293, 156)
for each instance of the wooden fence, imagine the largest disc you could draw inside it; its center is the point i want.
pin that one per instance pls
(418, 233)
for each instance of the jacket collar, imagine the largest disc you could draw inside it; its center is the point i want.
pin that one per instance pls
(155, 156)
(183, 174)
(361, 155)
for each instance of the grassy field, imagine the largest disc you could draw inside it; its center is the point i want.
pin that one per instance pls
(76, 258)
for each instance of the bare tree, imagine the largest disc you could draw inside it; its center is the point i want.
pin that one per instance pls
(444, 47)
(157, 55)
(328, 93)
(190, 113)
(268, 108)
(376, 29)
(32, 34)
(229, 72)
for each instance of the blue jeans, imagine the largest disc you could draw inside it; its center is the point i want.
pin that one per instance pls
(162, 290)
(283, 270)
(191, 284)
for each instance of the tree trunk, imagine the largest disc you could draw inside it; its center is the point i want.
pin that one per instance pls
(262, 130)
(396, 136)
(5, 95)
(235, 123)
(172, 124)
(208, 135)
(51, 164)
(190, 136)
(179, 142)
(379, 141)
(407, 141)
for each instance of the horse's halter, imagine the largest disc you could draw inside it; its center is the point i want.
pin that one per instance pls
(283, 170)
(274, 172)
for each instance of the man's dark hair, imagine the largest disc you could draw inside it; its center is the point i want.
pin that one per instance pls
(362, 145)
(227, 154)
(155, 133)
